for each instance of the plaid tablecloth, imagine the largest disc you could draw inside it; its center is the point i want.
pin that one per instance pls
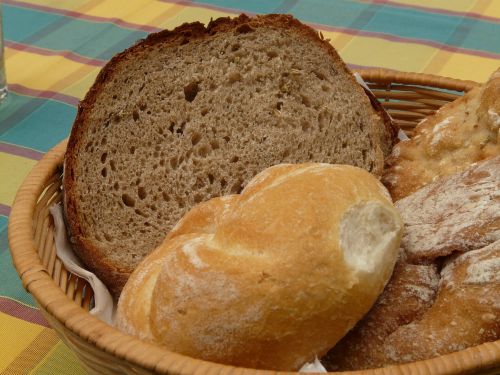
(55, 48)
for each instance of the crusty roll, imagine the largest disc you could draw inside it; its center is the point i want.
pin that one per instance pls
(460, 134)
(272, 277)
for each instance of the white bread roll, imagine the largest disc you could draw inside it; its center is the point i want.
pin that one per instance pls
(272, 277)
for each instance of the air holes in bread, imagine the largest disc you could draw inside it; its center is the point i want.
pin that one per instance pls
(141, 192)
(305, 100)
(140, 213)
(237, 187)
(319, 75)
(203, 151)
(272, 54)
(173, 162)
(180, 202)
(195, 138)
(135, 115)
(128, 200)
(214, 144)
(234, 77)
(190, 91)
(306, 125)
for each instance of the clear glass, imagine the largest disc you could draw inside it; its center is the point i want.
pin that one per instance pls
(3, 79)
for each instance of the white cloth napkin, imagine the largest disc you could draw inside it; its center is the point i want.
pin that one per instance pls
(103, 302)
(315, 367)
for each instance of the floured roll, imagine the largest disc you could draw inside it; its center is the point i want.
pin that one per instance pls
(272, 277)
(409, 294)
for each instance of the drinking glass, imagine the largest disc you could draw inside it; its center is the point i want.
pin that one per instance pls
(3, 80)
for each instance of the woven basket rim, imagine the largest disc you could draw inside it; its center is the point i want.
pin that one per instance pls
(50, 297)
(420, 79)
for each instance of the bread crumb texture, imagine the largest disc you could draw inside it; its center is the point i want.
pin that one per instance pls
(265, 279)
(195, 113)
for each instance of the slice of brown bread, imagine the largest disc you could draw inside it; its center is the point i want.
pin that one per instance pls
(193, 113)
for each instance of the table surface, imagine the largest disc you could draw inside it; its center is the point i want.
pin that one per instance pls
(54, 50)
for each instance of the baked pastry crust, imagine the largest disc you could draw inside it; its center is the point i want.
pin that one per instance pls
(411, 321)
(272, 277)
(97, 212)
(461, 133)
(454, 214)
(423, 312)
(410, 292)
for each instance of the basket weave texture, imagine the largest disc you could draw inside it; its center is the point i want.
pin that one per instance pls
(64, 299)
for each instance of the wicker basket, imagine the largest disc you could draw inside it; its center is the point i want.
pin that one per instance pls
(64, 299)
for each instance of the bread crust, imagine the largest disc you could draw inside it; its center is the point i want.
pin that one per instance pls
(409, 294)
(268, 278)
(424, 312)
(113, 275)
(462, 132)
(455, 214)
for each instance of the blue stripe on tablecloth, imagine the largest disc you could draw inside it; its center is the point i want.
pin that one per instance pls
(413, 24)
(81, 15)
(35, 123)
(3, 217)
(62, 33)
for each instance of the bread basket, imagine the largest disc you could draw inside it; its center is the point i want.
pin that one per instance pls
(64, 299)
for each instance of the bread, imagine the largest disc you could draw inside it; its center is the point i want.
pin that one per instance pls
(409, 294)
(272, 277)
(454, 214)
(194, 113)
(421, 314)
(464, 312)
(459, 134)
